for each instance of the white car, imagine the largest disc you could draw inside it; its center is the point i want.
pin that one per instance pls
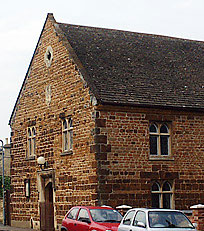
(141, 219)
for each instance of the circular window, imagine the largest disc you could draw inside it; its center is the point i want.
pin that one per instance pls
(48, 56)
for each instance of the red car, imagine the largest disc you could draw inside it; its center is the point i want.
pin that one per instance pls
(90, 218)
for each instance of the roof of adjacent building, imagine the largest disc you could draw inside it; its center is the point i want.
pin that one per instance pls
(139, 69)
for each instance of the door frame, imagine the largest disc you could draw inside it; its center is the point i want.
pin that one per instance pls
(45, 177)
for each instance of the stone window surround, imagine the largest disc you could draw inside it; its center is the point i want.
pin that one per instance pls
(169, 134)
(48, 57)
(161, 192)
(67, 133)
(31, 142)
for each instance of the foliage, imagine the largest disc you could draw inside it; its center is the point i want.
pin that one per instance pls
(7, 182)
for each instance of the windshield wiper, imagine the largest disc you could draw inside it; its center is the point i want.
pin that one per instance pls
(111, 221)
(99, 220)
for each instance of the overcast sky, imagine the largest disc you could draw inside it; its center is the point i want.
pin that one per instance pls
(21, 23)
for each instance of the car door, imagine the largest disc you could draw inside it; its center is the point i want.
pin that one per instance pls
(83, 220)
(70, 220)
(126, 223)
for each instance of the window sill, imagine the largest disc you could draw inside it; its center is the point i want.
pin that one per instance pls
(30, 158)
(167, 158)
(65, 153)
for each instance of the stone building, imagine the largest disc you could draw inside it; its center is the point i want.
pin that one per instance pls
(118, 117)
(7, 162)
(7, 159)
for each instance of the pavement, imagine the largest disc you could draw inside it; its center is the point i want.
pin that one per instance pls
(9, 228)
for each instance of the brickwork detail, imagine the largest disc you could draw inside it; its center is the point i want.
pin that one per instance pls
(198, 216)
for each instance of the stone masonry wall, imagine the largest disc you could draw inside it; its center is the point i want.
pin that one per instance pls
(126, 170)
(198, 216)
(75, 174)
(7, 160)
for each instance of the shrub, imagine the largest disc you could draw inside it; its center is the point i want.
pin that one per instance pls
(7, 182)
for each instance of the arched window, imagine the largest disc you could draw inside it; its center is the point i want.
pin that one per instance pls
(159, 139)
(162, 194)
(31, 141)
(67, 133)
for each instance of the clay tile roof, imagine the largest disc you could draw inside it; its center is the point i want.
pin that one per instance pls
(139, 69)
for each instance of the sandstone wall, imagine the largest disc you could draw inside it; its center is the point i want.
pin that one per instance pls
(126, 171)
(75, 173)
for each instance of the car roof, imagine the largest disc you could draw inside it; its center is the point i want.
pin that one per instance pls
(93, 207)
(156, 210)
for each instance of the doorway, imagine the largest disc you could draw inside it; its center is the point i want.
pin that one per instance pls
(46, 204)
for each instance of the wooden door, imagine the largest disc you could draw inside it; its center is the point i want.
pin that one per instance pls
(47, 210)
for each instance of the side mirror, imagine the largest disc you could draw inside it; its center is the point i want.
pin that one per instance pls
(141, 224)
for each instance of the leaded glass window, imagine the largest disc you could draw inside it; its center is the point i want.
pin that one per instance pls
(67, 134)
(31, 132)
(159, 139)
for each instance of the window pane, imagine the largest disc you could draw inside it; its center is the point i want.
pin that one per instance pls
(33, 146)
(64, 124)
(155, 187)
(71, 138)
(156, 200)
(70, 122)
(33, 131)
(167, 200)
(73, 213)
(164, 129)
(166, 186)
(83, 214)
(105, 214)
(128, 218)
(29, 147)
(169, 220)
(65, 141)
(140, 217)
(153, 145)
(153, 128)
(29, 132)
(164, 145)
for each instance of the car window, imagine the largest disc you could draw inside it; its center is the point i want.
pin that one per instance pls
(169, 219)
(83, 215)
(140, 217)
(73, 213)
(128, 217)
(106, 215)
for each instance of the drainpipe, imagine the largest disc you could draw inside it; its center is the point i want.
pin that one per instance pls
(3, 184)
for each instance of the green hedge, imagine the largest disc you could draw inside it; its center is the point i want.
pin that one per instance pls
(7, 182)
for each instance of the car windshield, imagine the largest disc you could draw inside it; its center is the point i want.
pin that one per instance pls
(168, 219)
(105, 215)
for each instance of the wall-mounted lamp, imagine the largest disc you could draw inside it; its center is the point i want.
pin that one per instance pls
(41, 161)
